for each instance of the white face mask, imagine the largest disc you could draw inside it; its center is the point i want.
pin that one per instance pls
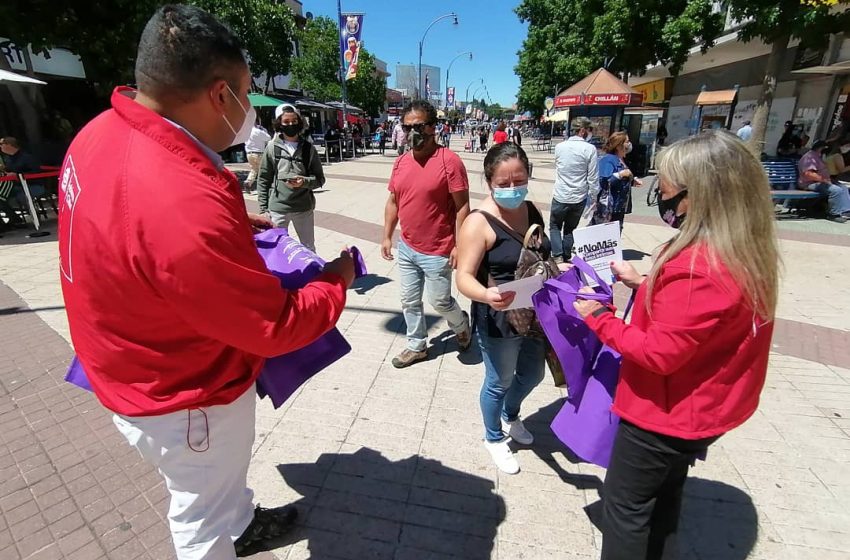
(588, 137)
(629, 147)
(244, 133)
(845, 148)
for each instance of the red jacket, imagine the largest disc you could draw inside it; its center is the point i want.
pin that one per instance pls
(170, 306)
(500, 136)
(695, 368)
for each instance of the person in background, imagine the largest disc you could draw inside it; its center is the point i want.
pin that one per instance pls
(170, 307)
(17, 161)
(517, 136)
(483, 136)
(290, 171)
(429, 194)
(614, 200)
(745, 132)
(254, 147)
(489, 249)
(576, 182)
(789, 143)
(381, 133)
(814, 176)
(332, 141)
(447, 135)
(500, 135)
(399, 137)
(694, 357)
(838, 162)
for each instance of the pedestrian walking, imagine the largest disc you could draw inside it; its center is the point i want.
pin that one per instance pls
(482, 139)
(745, 132)
(489, 249)
(695, 353)
(500, 135)
(616, 180)
(429, 194)
(171, 309)
(289, 173)
(399, 138)
(576, 182)
(254, 147)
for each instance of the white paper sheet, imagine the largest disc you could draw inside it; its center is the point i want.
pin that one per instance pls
(598, 246)
(523, 289)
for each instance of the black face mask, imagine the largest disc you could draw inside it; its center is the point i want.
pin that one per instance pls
(667, 209)
(290, 129)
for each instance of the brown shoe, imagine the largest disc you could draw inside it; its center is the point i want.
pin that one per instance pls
(464, 338)
(409, 357)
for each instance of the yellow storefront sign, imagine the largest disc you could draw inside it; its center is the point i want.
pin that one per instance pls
(658, 91)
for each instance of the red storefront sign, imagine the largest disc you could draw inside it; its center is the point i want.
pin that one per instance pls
(618, 99)
(567, 100)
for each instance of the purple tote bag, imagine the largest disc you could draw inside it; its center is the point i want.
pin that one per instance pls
(281, 376)
(572, 340)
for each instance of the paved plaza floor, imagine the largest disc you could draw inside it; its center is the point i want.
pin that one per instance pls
(389, 464)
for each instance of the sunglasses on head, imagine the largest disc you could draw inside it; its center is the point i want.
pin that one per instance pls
(418, 127)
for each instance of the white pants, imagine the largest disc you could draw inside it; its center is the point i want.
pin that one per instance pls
(203, 455)
(303, 223)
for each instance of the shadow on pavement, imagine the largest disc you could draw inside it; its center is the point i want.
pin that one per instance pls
(363, 505)
(718, 520)
(369, 282)
(18, 309)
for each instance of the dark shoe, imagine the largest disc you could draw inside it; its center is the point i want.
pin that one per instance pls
(464, 338)
(267, 525)
(837, 219)
(409, 357)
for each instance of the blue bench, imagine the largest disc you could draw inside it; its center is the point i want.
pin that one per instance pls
(782, 176)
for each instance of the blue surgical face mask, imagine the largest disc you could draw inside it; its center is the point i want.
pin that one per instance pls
(510, 197)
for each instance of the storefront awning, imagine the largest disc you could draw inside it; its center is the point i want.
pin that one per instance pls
(599, 88)
(719, 97)
(560, 116)
(260, 100)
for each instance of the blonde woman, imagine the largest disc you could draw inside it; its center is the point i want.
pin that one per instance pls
(695, 354)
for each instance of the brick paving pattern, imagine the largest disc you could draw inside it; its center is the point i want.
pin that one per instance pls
(385, 463)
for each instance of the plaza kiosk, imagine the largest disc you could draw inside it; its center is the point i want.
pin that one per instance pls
(603, 97)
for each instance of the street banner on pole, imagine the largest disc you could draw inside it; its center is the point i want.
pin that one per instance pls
(350, 27)
(427, 85)
(450, 97)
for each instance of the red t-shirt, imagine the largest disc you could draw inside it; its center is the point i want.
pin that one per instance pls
(500, 136)
(423, 193)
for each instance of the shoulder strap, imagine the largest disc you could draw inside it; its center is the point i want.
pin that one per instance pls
(306, 153)
(494, 221)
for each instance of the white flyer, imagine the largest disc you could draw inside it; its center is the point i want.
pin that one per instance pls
(524, 289)
(598, 246)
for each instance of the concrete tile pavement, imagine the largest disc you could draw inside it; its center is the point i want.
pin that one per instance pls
(388, 464)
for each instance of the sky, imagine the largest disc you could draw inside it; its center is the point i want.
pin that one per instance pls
(488, 28)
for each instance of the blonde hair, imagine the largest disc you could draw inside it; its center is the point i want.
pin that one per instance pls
(730, 214)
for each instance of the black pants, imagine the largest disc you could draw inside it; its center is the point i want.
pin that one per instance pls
(563, 219)
(642, 495)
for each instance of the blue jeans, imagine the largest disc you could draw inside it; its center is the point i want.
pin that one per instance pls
(563, 219)
(512, 368)
(434, 274)
(839, 197)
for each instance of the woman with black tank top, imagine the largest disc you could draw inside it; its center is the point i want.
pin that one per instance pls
(489, 246)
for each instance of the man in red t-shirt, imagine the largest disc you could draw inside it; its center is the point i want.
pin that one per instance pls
(429, 194)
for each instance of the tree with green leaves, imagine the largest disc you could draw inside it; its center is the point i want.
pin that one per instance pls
(105, 34)
(316, 71)
(776, 22)
(568, 39)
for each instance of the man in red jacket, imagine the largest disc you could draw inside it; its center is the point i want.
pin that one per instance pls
(171, 309)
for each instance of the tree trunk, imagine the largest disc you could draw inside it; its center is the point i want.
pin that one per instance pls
(759, 123)
(25, 103)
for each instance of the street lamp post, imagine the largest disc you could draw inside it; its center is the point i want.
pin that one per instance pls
(450, 67)
(422, 43)
(466, 97)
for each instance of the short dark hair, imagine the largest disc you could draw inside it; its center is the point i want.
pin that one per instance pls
(183, 50)
(500, 153)
(421, 106)
(820, 144)
(11, 140)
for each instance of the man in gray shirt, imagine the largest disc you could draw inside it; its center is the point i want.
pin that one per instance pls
(576, 179)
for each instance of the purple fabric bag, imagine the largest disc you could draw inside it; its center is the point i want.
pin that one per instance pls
(572, 340)
(586, 425)
(281, 376)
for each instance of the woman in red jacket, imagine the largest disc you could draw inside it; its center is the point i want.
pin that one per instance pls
(695, 354)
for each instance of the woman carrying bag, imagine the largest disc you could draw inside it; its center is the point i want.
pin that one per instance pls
(694, 358)
(615, 182)
(492, 250)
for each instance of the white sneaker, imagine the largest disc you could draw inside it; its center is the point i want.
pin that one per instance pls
(517, 431)
(502, 456)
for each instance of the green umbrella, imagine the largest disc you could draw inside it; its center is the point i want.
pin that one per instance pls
(260, 100)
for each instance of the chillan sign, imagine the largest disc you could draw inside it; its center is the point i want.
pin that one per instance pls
(623, 99)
